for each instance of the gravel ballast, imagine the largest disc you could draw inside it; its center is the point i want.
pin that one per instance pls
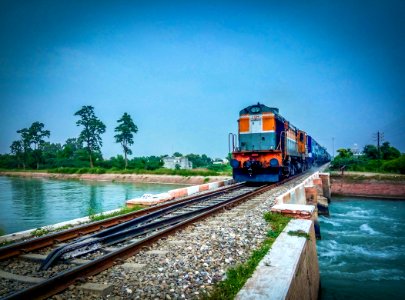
(189, 263)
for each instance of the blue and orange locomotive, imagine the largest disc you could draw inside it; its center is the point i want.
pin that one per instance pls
(269, 148)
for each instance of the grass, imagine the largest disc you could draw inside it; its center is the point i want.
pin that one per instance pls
(366, 177)
(199, 172)
(124, 210)
(41, 231)
(299, 233)
(93, 217)
(236, 277)
(5, 243)
(99, 170)
(47, 229)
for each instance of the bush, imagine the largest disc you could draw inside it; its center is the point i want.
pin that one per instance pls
(395, 166)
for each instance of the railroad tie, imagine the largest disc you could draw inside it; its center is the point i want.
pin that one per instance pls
(100, 290)
(20, 278)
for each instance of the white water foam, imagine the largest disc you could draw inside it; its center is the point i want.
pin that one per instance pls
(333, 251)
(357, 213)
(329, 221)
(369, 275)
(368, 229)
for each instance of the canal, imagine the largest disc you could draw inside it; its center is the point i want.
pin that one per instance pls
(32, 203)
(362, 251)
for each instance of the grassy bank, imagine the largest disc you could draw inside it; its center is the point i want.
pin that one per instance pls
(366, 176)
(236, 277)
(98, 170)
(364, 164)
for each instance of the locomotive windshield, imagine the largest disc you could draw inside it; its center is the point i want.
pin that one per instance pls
(255, 109)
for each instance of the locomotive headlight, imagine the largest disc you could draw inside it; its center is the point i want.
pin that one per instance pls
(273, 162)
(235, 163)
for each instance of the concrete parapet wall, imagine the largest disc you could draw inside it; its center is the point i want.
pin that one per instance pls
(199, 188)
(290, 270)
(296, 195)
(176, 193)
(28, 233)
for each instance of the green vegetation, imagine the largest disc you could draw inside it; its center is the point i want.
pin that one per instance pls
(30, 145)
(236, 277)
(41, 231)
(92, 130)
(387, 159)
(125, 131)
(299, 233)
(83, 154)
(124, 210)
(6, 243)
(45, 230)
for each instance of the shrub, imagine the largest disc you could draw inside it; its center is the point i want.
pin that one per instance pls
(396, 165)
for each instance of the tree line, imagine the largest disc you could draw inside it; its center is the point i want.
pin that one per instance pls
(385, 158)
(33, 151)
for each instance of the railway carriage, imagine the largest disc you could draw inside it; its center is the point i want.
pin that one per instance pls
(268, 148)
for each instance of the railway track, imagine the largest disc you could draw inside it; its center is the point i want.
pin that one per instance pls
(110, 246)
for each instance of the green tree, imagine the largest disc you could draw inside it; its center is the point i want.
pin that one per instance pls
(50, 153)
(37, 135)
(34, 136)
(125, 135)
(388, 152)
(177, 154)
(344, 153)
(198, 161)
(25, 142)
(92, 130)
(17, 149)
(370, 151)
(71, 147)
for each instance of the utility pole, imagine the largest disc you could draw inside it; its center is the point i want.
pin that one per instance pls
(379, 137)
(333, 147)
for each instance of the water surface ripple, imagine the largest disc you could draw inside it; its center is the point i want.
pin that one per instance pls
(31, 203)
(362, 251)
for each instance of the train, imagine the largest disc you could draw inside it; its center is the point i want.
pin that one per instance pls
(268, 148)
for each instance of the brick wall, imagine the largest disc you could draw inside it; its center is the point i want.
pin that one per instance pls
(370, 188)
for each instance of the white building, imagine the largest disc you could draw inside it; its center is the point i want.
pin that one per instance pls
(181, 162)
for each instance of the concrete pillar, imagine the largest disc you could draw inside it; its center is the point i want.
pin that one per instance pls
(317, 182)
(325, 177)
(311, 195)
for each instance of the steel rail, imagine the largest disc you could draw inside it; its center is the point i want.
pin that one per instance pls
(60, 282)
(62, 236)
(134, 228)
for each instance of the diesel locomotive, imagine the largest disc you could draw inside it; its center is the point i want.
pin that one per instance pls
(269, 148)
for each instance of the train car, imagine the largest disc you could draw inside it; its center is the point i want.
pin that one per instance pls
(269, 148)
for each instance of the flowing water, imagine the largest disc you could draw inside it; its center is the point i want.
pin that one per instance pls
(32, 203)
(362, 251)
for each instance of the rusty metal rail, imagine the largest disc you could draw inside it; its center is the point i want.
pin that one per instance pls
(63, 280)
(24, 247)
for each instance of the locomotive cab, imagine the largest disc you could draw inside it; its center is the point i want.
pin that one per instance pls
(270, 148)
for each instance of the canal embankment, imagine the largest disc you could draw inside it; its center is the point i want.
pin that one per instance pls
(134, 178)
(369, 185)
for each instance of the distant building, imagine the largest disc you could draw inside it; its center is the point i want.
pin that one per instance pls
(181, 162)
(219, 161)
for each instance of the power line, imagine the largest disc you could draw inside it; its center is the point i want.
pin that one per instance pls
(379, 137)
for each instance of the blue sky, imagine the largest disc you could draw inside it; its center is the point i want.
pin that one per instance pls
(184, 69)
